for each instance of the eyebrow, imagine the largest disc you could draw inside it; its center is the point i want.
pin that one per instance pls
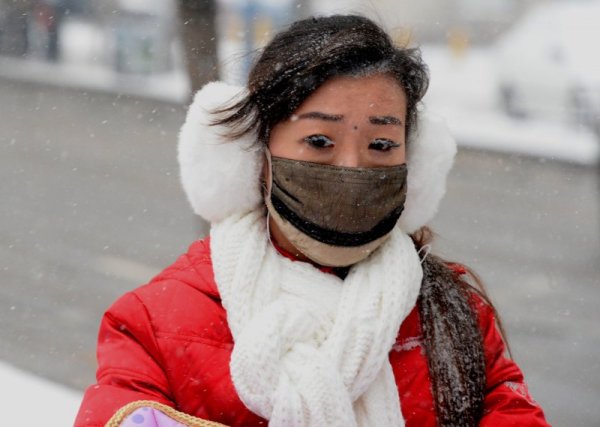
(375, 120)
(385, 120)
(322, 116)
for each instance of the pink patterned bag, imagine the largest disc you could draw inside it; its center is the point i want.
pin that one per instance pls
(145, 413)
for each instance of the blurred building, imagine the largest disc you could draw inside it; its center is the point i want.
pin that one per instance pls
(246, 25)
(144, 37)
(432, 21)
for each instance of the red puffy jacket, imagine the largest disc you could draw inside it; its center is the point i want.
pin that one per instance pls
(169, 342)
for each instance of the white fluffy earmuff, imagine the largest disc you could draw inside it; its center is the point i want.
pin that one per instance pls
(429, 158)
(221, 177)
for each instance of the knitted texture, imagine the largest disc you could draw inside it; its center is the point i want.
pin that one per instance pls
(312, 349)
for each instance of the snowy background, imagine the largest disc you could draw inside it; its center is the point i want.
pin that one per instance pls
(529, 182)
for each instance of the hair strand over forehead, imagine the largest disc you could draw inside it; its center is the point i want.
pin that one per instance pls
(311, 51)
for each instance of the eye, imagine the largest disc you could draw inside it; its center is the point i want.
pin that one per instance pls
(319, 141)
(382, 144)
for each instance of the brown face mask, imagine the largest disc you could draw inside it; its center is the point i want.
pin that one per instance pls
(335, 215)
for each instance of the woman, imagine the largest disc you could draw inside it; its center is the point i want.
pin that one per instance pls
(314, 301)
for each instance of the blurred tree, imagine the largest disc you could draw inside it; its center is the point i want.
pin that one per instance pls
(199, 35)
(14, 24)
(198, 32)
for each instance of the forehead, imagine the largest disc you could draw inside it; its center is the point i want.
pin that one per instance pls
(374, 94)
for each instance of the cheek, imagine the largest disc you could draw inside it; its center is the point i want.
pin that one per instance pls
(266, 171)
(280, 143)
(402, 154)
(396, 157)
(286, 149)
(284, 142)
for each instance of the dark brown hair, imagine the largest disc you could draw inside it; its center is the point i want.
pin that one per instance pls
(451, 335)
(290, 68)
(299, 60)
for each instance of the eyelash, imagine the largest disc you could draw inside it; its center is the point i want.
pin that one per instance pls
(320, 142)
(385, 144)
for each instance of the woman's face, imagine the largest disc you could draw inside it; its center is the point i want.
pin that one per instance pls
(348, 121)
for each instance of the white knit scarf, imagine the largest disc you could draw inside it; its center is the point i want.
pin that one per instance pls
(312, 349)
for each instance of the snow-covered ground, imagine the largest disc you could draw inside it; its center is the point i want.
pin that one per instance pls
(464, 91)
(172, 86)
(28, 400)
